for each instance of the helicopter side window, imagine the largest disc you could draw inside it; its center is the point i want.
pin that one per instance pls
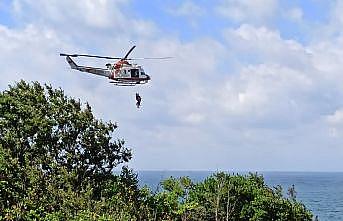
(134, 73)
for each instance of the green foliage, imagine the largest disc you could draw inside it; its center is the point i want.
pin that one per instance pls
(54, 153)
(235, 197)
(171, 203)
(57, 161)
(225, 197)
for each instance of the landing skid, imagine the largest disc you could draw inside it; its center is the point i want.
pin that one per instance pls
(127, 83)
(124, 83)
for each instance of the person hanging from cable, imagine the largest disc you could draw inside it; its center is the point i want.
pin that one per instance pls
(138, 99)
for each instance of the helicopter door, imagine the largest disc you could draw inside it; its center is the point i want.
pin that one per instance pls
(134, 73)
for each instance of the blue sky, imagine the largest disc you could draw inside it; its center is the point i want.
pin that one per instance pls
(5, 13)
(253, 85)
(210, 24)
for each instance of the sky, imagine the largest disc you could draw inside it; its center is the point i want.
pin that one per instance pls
(252, 86)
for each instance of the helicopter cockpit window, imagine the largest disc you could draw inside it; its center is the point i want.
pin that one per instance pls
(134, 73)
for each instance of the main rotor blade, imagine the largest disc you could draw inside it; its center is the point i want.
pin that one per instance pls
(115, 58)
(127, 54)
(156, 58)
(90, 56)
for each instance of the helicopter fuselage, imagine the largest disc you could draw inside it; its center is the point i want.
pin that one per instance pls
(121, 73)
(128, 73)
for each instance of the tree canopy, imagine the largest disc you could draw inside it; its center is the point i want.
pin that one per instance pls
(223, 196)
(51, 143)
(57, 161)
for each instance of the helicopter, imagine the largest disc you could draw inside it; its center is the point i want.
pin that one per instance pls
(121, 73)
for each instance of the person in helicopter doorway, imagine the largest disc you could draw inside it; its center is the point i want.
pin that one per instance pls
(138, 99)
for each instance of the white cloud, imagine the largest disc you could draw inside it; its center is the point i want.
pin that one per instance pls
(32, 52)
(267, 46)
(335, 123)
(329, 27)
(257, 11)
(251, 95)
(295, 14)
(336, 118)
(264, 95)
(187, 8)
(279, 82)
(195, 118)
(98, 19)
(337, 12)
(27, 52)
(93, 13)
(328, 56)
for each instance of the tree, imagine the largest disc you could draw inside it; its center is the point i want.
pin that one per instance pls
(51, 146)
(235, 197)
(171, 202)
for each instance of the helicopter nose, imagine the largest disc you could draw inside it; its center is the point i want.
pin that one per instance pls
(148, 77)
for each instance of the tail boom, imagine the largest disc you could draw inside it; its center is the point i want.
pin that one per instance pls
(92, 70)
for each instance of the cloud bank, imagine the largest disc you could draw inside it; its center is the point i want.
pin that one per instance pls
(248, 99)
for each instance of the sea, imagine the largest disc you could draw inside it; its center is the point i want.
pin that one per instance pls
(321, 192)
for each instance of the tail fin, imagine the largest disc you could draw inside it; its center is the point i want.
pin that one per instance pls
(72, 64)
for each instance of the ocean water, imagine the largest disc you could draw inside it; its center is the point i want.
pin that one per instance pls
(321, 192)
